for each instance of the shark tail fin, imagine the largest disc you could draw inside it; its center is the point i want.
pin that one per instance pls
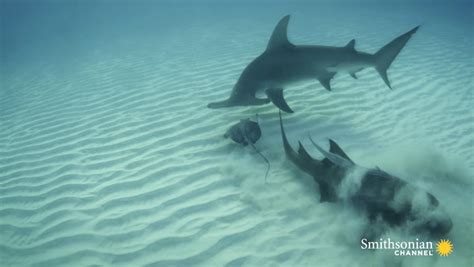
(385, 56)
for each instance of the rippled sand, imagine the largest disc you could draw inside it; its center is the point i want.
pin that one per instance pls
(121, 163)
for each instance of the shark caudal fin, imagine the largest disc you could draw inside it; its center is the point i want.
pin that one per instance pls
(385, 56)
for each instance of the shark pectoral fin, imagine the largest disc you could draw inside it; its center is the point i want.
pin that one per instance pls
(326, 82)
(325, 79)
(353, 75)
(276, 96)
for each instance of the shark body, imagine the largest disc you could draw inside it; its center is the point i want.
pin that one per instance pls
(385, 199)
(283, 64)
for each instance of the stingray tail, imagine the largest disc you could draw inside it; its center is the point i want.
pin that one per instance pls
(264, 158)
(385, 56)
(259, 153)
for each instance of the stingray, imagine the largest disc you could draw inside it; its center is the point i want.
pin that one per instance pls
(247, 132)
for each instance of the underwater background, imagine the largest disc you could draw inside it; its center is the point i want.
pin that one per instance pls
(109, 155)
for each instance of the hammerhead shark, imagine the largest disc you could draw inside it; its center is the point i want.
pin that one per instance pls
(384, 198)
(283, 64)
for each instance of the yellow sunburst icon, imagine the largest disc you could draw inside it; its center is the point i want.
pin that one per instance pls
(444, 247)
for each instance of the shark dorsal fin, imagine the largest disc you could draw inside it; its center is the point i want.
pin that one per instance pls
(334, 158)
(351, 44)
(336, 149)
(279, 37)
(302, 152)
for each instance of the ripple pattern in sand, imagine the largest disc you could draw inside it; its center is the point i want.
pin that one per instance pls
(122, 164)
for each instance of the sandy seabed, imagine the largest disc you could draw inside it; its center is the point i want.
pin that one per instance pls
(121, 163)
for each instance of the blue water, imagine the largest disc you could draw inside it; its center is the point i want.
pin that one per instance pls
(109, 156)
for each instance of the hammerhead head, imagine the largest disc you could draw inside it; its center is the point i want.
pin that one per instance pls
(385, 199)
(284, 63)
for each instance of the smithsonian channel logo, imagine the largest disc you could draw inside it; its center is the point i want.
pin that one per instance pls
(443, 247)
